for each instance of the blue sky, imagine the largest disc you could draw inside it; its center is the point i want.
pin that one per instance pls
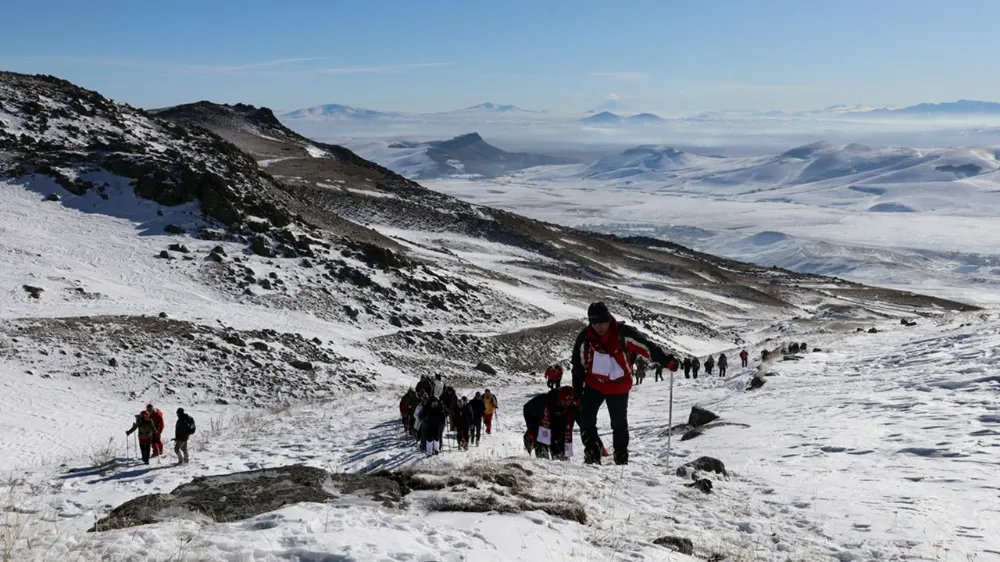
(435, 55)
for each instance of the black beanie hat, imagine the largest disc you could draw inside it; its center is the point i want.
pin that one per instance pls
(598, 312)
(180, 411)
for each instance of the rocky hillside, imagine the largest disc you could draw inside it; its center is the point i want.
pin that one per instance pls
(262, 223)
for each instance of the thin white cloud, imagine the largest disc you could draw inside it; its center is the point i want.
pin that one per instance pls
(379, 69)
(624, 75)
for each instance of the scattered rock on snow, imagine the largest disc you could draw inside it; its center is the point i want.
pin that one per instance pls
(53, 197)
(485, 368)
(173, 229)
(302, 365)
(700, 416)
(682, 545)
(242, 495)
(704, 485)
(162, 315)
(165, 255)
(33, 292)
(259, 345)
(703, 464)
(873, 330)
(756, 382)
(113, 362)
(181, 248)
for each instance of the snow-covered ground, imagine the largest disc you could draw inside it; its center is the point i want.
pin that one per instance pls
(880, 447)
(949, 246)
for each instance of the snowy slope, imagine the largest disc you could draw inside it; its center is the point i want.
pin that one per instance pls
(881, 447)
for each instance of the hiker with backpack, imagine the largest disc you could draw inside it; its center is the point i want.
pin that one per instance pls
(490, 408)
(147, 431)
(549, 418)
(601, 373)
(478, 408)
(182, 432)
(161, 423)
(553, 376)
(433, 419)
(709, 365)
(744, 357)
(695, 367)
(463, 422)
(723, 364)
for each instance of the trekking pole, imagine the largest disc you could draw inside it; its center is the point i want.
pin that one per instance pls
(670, 419)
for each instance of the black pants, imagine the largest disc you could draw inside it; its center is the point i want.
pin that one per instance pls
(744, 361)
(144, 445)
(722, 371)
(476, 430)
(658, 375)
(694, 372)
(618, 411)
(555, 384)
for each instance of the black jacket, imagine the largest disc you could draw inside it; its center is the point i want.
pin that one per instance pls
(433, 418)
(478, 407)
(182, 430)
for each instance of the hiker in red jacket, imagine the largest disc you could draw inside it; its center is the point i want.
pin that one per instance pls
(404, 409)
(601, 372)
(157, 416)
(744, 356)
(553, 375)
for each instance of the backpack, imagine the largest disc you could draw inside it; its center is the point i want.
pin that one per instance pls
(190, 425)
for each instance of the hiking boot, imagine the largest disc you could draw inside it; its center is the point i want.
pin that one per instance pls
(591, 458)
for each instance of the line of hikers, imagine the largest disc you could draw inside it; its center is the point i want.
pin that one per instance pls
(150, 424)
(431, 406)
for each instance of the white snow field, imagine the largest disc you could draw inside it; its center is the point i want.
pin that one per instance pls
(920, 220)
(880, 447)
(883, 446)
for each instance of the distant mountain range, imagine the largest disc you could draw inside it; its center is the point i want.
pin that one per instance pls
(466, 154)
(336, 111)
(606, 118)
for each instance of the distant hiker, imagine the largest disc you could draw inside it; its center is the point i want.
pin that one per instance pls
(640, 371)
(147, 431)
(723, 364)
(404, 409)
(549, 418)
(657, 372)
(490, 407)
(803, 348)
(158, 420)
(687, 367)
(432, 418)
(600, 363)
(478, 408)
(438, 386)
(695, 367)
(553, 376)
(794, 348)
(709, 365)
(425, 386)
(463, 421)
(184, 429)
(744, 357)
(765, 355)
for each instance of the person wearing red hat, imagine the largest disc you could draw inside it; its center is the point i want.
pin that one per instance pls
(602, 373)
(549, 418)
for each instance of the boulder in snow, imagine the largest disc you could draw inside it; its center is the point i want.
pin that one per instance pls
(679, 544)
(301, 365)
(173, 229)
(33, 292)
(700, 416)
(756, 382)
(485, 368)
(242, 495)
